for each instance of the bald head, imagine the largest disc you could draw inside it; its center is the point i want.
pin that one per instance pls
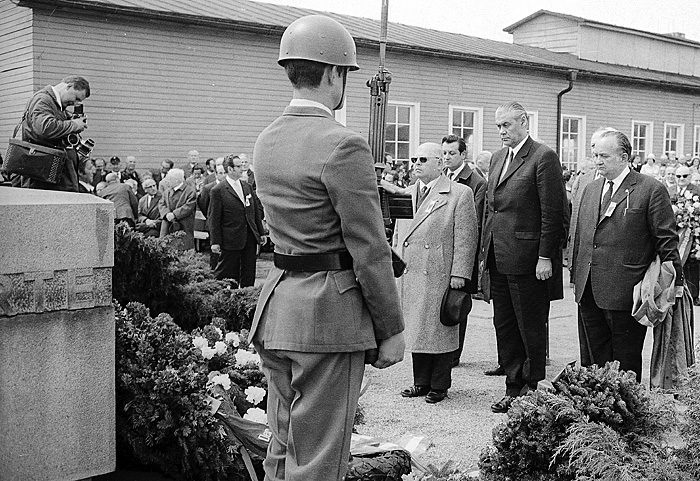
(427, 163)
(111, 177)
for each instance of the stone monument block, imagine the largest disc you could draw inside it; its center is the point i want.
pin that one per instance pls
(57, 359)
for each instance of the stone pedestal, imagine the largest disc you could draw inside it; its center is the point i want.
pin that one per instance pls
(57, 419)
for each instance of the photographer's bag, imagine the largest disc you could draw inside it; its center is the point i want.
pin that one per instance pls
(35, 161)
(32, 160)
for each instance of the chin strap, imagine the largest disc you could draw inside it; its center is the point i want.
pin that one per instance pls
(342, 97)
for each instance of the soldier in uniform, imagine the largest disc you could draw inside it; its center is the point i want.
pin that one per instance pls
(330, 302)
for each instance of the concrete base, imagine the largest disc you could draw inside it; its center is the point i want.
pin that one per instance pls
(57, 360)
(58, 410)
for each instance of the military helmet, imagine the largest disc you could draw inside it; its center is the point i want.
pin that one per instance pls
(318, 38)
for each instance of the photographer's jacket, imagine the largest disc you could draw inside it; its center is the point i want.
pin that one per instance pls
(47, 124)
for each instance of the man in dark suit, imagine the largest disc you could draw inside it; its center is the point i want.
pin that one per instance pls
(624, 221)
(522, 242)
(454, 153)
(149, 221)
(203, 204)
(235, 225)
(330, 301)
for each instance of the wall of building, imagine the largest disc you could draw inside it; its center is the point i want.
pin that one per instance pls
(551, 32)
(638, 50)
(16, 75)
(161, 88)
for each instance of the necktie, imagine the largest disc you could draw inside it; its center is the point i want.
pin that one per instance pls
(606, 198)
(421, 196)
(506, 164)
(148, 202)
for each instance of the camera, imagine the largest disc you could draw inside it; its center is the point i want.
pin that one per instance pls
(82, 146)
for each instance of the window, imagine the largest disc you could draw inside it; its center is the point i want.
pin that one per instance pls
(401, 129)
(573, 146)
(696, 141)
(642, 136)
(532, 122)
(467, 122)
(673, 138)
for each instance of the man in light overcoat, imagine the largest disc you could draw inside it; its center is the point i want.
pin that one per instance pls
(438, 246)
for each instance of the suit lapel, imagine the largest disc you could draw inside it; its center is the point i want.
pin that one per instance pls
(620, 196)
(232, 192)
(433, 202)
(517, 161)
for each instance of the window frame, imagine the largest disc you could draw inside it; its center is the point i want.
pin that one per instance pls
(478, 144)
(413, 127)
(649, 137)
(533, 120)
(582, 144)
(680, 141)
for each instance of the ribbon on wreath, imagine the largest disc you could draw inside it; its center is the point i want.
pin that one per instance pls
(685, 243)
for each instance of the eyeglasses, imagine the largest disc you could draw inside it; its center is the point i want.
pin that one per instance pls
(422, 160)
(682, 176)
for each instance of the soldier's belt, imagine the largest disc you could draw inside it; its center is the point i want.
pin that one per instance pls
(336, 261)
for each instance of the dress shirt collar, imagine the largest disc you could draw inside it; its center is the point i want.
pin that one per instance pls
(237, 187)
(430, 184)
(617, 181)
(517, 148)
(309, 103)
(179, 186)
(57, 97)
(89, 187)
(455, 173)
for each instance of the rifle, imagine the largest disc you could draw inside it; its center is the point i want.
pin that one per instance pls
(394, 205)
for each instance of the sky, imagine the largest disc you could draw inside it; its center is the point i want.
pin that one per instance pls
(488, 18)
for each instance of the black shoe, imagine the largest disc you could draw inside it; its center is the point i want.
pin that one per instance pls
(415, 391)
(436, 395)
(496, 371)
(503, 405)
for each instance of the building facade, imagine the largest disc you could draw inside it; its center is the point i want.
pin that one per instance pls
(168, 77)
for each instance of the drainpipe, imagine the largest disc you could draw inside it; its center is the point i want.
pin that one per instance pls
(572, 79)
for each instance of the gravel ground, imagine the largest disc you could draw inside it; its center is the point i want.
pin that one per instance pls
(461, 425)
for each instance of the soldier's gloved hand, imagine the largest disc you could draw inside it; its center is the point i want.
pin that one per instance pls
(390, 351)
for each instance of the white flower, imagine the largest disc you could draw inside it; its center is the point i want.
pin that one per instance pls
(199, 342)
(208, 352)
(254, 394)
(233, 338)
(687, 194)
(218, 331)
(220, 347)
(244, 357)
(223, 380)
(256, 415)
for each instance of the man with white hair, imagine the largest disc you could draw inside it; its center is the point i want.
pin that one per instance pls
(439, 246)
(483, 163)
(192, 160)
(126, 205)
(247, 175)
(177, 208)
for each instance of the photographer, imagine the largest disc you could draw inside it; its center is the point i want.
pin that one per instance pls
(47, 123)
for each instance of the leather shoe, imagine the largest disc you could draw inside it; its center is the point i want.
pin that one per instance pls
(435, 396)
(496, 371)
(503, 405)
(415, 391)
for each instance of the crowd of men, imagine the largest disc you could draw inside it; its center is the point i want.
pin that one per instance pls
(496, 229)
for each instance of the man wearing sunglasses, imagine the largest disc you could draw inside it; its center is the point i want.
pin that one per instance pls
(691, 267)
(438, 245)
